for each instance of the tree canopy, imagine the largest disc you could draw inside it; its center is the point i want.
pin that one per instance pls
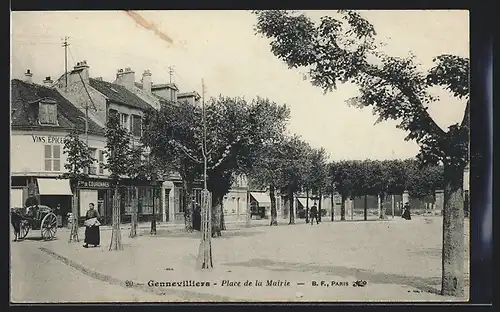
(343, 49)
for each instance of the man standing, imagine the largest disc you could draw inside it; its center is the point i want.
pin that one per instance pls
(314, 214)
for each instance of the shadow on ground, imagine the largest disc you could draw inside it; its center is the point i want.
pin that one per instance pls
(422, 284)
(227, 234)
(38, 239)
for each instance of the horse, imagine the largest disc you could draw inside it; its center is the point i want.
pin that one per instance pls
(15, 220)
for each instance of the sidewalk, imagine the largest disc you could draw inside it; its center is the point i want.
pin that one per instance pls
(402, 269)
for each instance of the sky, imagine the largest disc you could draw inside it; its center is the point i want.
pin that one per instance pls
(221, 48)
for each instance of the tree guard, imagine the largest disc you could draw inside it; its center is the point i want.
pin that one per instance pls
(73, 236)
(116, 236)
(205, 250)
(133, 217)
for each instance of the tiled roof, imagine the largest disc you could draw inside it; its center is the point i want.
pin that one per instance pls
(68, 115)
(118, 93)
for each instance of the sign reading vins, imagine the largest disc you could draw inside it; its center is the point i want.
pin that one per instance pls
(48, 139)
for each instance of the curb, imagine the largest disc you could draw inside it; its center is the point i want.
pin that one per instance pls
(136, 285)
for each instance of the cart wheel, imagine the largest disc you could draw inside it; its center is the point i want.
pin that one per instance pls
(48, 226)
(25, 228)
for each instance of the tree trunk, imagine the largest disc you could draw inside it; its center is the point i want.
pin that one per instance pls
(342, 207)
(353, 202)
(274, 212)
(188, 205)
(216, 215)
(153, 220)
(319, 206)
(365, 208)
(381, 205)
(222, 223)
(392, 205)
(116, 236)
(249, 211)
(133, 216)
(332, 203)
(453, 233)
(290, 202)
(307, 205)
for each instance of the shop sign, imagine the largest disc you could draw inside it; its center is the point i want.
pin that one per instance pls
(94, 184)
(48, 139)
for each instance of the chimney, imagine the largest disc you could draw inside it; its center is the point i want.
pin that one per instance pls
(146, 81)
(125, 77)
(28, 76)
(48, 82)
(80, 69)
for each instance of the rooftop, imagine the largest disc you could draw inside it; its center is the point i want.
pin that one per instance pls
(118, 93)
(68, 116)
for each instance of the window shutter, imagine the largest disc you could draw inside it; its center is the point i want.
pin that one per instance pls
(52, 108)
(42, 113)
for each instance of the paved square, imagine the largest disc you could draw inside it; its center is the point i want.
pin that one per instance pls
(399, 260)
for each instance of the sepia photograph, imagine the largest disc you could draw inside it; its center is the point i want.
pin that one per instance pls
(239, 156)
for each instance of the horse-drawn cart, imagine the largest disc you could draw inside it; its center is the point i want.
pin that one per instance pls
(35, 218)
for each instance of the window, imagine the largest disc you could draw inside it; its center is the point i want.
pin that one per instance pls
(124, 121)
(48, 113)
(101, 162)
(52, 158)
(92, 168)
(146, 200)
(136, 125)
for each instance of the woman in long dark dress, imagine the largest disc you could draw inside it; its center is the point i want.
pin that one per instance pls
(406, 212)
(92, 234)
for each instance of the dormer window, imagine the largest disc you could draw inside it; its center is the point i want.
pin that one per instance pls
(47, 113)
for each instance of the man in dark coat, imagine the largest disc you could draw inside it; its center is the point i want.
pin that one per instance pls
(314, 214)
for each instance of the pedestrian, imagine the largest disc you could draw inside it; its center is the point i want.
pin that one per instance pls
(197, 217)
(92, 234)
(314, 214)
(406, 211)
(58, 212)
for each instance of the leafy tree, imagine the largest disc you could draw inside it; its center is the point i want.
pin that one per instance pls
(173, 134)
(423, 182)
(317, 174)
(294, 168)
(344, 50)
(269, 120)
(346, 176)
(78, 158)
(118, 154)
(144, 166)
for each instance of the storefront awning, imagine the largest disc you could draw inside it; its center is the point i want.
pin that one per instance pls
(302, 201)
(53, 186)
(262, 198)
